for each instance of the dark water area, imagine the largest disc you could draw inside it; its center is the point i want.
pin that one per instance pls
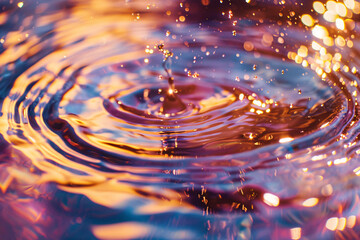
(255, 137)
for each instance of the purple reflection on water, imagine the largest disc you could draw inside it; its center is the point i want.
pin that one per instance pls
(257, 140)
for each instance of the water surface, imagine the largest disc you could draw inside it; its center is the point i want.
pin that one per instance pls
(257, 139)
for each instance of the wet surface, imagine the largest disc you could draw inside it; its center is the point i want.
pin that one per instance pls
(256, 138)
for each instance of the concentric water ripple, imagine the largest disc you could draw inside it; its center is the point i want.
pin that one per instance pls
(251, 145)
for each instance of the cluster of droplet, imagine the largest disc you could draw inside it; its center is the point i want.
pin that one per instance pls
(324, 59)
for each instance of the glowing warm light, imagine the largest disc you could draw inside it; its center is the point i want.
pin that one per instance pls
(328, 41)
(351, 221)
(342, 223)
(337, 57)
(286, 140)
(332, 223)
(350, 43)
(331, 6)
(248, 46)
(303, 51)
(182, 19)
(325, 125)
(350, 4)
(310, 202)
(327, 190)
(241, 97)
(320, 32)
(357, 171)
(257, 103)
(340, 41)
(350, 24)
(316, 46)
(271, 199)
(20, 4)
(295, 233)
(330, 16)
(6, 183)
(267, 40)
(305, 64)
(340, 24)
(356, 9)
(340, 161)
(319, 7)
(341, 9)
(307, 20)
(125, 230)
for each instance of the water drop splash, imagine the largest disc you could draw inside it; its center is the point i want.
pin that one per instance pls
(167, 67)
(172, 102)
